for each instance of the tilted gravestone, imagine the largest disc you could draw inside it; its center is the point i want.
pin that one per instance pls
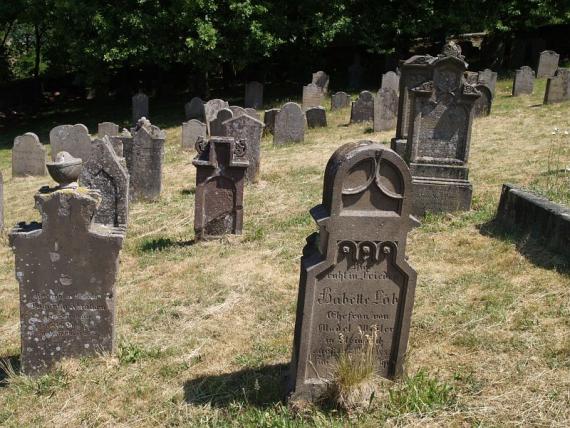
(195, 110)
(289, 124)
(558, 87)
(355, 279)
(253, 95)
(524, 81)
(211, 109)
(108, 129)
(252, 113)
(191, 131)
(28, 156)
(391, 80)
(547, 64)
(340, 100)
(316, 117)
(488, 78)
(484, 103)
(66, 268)
(246, 128)
(73, 139)
(216, 125)
(385, 110)
(107, 173)
(313, 96)
(269, 120)
(140, 107)
(363, 108)
(221, 164)
(237, 111)
(321, 79)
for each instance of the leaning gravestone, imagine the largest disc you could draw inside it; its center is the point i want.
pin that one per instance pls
(191, 131)
(524, 81)
(269, 120)
(249, 130)
(547, 64)
(108, 129)
(253, 95)
(28, 156)
(355, 279)
(140, 106)
(558, 87)
(313, 96)
(107, 173)
(363, 108)
(66, 268)
(216, 125)
(321, 79)
(340, 100)
(488, 78)
(484, 103)
(195, 110)
(211, 109)
(73, 139)
(385, 110)
(289, 124)
(391, 80)
(316, 117)
(220, 165)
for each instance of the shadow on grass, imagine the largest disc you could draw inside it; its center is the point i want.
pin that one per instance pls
(188, 192)
(261, 387)
(161, 244)
(7, 362)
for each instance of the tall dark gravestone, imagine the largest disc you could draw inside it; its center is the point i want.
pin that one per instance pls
(140, 106)
(221, 164)
(253, 95)
(354, 274)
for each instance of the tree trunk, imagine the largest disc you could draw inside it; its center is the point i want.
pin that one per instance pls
(38, 46)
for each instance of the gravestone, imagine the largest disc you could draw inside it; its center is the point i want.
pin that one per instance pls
(253, 95)
(558, 87)
(107, 173)
(220, 171)
(355, 279)
(237, 111)
(313, 96)
(524, 81)
(251, 112)
(547, 64)
(340, 100)
(216, 125)
(316, 117)
(249, 130)
(108, 129)
(140, 106)
(66, 268)
(488, 78)
(191, 131)
(385, 110)
(211, 109)
(195, 110)
(269, 120)
(73, 139)
(289, 124)
(28, 156)
(363, 108)
(321, 79)
(484, 102)
(391, 80)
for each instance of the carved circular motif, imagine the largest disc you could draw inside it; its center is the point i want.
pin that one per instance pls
(240, 148)
(359, 177)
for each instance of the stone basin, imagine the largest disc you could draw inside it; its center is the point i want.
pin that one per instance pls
(65, 169)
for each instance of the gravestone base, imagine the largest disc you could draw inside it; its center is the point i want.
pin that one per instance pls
(437, 195)
(399, 146)
(439, 171)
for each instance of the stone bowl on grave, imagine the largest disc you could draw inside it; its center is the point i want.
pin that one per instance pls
(65, 170)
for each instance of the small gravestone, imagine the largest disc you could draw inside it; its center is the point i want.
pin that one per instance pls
(253, 95)
(28, 156)
(107, 173)
(289, 124)
(73, 139)
(246, 128)
(484, 103)
(524, 81)
(191, 131)
(251, 112)
(313, 96)
(488, 78)
(558, 87)
(216, 125)
(269, 120)
(221, 165)
(385, 110)
(363, 108)
(140, 106)
(316, 117)
(66, 268)
(547, 64)
(108, 129)
(321, 79)
(212, 107)
(355, 279)
(237, 111)
(391, 80)
(195, 110)
(340, 100)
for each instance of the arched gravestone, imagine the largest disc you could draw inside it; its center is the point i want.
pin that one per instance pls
(107, 173)
(321, 79)
(524, 81)
(191, 131)
(340, 100)
(108, 129)
(547, 64)
(313, 96)
(391, 80)
(484, 102)
(216, 126)
(28, 156)
(289, 124)
(246, 128)
(195, 110)
(220, 164)
(354, 273)
(140, 106)
(316, 117)
(385, 110)
(73, 139)
(558, 87)
(253, 95)
(363, 108)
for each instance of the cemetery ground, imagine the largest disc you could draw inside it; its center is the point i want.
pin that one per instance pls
(205, 330)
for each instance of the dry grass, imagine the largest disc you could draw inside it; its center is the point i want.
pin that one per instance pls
(205, 330)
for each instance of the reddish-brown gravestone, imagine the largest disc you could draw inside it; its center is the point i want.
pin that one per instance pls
(354, 273)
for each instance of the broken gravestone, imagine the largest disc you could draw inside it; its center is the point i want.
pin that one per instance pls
(108, 129)
(28, 156)
(313, 96)
(484, 102)
(391, 80)
(73, 139)
(246, 128)
(524, 81)
(316, 117)
(547, 64)
(558, 87)
(253, 95)
(340, 100)
(385, 110)
(220, 164)
(289, 124)
(140, 106)
(321, 79)
(363, 108)
(216, 125)
(269, 120)
(355, 281)
(195, 110)
(191, 131)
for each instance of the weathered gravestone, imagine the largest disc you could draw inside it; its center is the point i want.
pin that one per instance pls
(66, 268)
(484, 103)
(73, 139)
(289, 124)
(216, 125)
(191, 131)
(28, 156)
(385, 110)
(246, 128)
(140, 106)
(524, 81)
(488, 78)
(558, 87)
(363, 108)
(253, 95)
(355, 279)
(269, 119)
(237, 111)
(316, 117)
(251, 112)
(321, 79)
(195, 110)
(340, 100)
(547, 64)
(220, 165)
(313, 96)
(108, 129)
(107, 173)
(391, 80)
(211, 109)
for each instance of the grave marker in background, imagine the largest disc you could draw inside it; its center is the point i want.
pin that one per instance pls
(216, 125)
(488, 78)
(108, 129)
(269, 120)
(73, 139)
(246, 128)
(385, 110)
(547, 64)
(313, 96)
(253, 95)
(391, 80)
(363, 108)
(289, 124)
(140, 106)
(558, 87)
(211, 109)
(321, 79)
(524, 81)
(28, 156)
(484, 102)
(340, 100)
(191, 131)
(195, 110)
(316, 117)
